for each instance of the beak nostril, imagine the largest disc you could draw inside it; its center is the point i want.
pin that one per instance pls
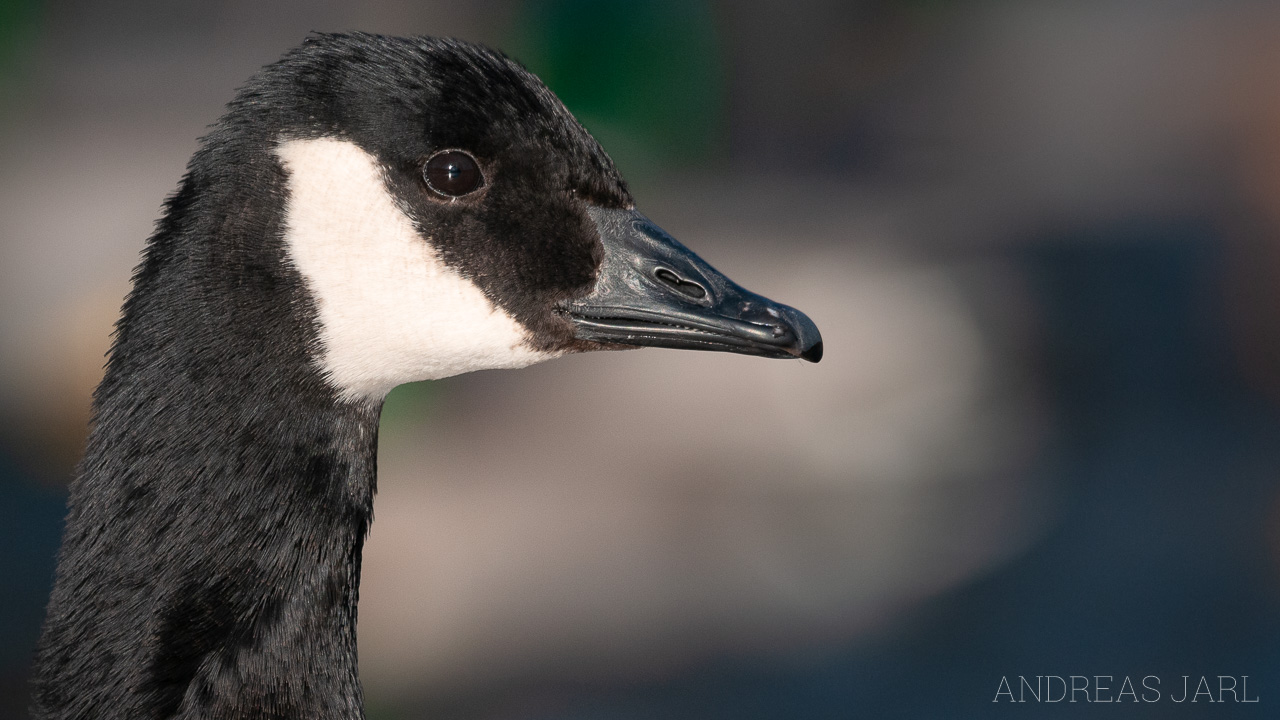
(667, 276)
(679, 284)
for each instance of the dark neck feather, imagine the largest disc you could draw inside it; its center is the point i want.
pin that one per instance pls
(211, 560)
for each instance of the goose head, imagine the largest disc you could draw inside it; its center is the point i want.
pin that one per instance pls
(449, 214)
(370, 211)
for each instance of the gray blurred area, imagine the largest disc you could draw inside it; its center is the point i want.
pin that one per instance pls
(1042, 242)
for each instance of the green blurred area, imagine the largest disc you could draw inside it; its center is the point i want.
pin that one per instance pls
(407, 403)
(19, 27)
(644, 76)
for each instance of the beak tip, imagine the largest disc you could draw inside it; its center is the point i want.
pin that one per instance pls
(813, 353)
(808, 340)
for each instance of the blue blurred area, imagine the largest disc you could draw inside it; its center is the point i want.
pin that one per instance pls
(30, 530)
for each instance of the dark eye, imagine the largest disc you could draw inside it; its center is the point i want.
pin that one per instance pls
(452, 173)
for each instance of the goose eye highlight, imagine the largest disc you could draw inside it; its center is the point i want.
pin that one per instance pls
(452, 173)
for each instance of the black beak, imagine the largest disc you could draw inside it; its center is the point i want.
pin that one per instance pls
(653, 291)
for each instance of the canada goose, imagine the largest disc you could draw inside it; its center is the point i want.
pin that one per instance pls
(369, 211)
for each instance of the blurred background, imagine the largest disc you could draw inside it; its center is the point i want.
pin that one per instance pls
(1042, 242)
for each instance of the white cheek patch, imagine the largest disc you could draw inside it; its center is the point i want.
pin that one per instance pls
(390, 310)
